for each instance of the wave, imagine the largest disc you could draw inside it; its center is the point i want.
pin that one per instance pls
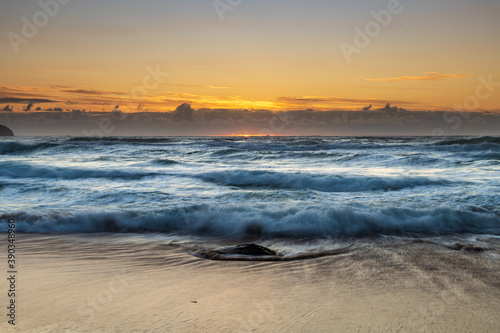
(165, 161)
(245, 222)
(14, 148)
(418, 160)
(299, 144)
(469, 141)
(15, 170)
(322, 183)
(228, 151)
(124, 139)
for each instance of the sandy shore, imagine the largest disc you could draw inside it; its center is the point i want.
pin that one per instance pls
(135, 284)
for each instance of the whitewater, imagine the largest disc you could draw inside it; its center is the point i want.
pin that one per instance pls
(252, 188)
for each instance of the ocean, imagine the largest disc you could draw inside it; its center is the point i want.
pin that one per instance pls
(253, 188)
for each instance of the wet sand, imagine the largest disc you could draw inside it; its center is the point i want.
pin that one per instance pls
(137, 283)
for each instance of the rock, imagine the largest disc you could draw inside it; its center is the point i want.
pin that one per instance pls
(252, 252)
(456, 246)
(248, 250)
(472, 248)
(5, 131)
(466, 247)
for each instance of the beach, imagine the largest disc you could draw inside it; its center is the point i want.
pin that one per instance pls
(250, 166)
(150, 283)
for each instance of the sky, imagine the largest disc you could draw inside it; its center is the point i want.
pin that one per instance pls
(275, 55)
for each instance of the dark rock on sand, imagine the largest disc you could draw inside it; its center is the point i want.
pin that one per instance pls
(472, 248)
(252, 252)
(456, 246)
(5, 131)
(467, 247)
(248, 250)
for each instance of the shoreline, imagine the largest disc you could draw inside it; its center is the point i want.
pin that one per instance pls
(127, 283)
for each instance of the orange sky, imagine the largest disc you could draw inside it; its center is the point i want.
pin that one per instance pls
(282, 55)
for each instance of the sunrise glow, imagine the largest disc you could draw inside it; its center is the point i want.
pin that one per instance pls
(307, 57)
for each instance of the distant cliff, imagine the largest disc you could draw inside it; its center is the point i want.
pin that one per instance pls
(5, 131)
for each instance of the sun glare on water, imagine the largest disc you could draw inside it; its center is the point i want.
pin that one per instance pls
(248, 135)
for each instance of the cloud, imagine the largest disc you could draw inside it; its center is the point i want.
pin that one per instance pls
(428, 76)
(35, 95)
(25, 100)
(22, 89)
(186, 121)
(332, 101)
(89, 92)
(96, 100)
(171, 99)
(319, 99)
(183, 113)
(217, 87)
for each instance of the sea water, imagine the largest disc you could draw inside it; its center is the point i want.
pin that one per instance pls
(257, 187)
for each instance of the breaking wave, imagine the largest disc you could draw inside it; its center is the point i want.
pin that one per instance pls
(164, 161)
(470, 141)
(243, 222)
(113, 139)
(14, 148)
(322, 183)
(16, 170)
